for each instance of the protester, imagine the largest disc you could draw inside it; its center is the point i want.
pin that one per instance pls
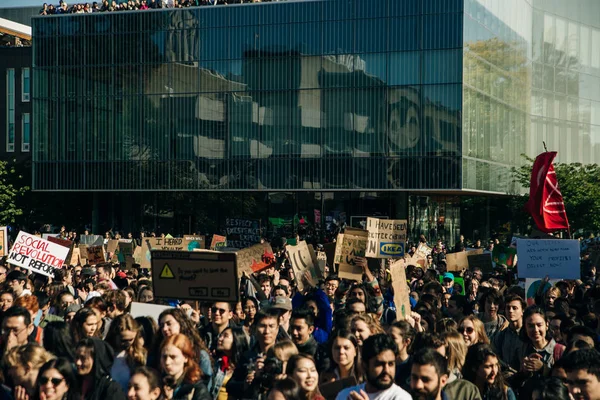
(55, 380)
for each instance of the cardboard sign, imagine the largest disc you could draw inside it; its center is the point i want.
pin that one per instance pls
(194, 242)
(137, 255)
(533, 284)
(3, 241)
(416, 260)
(95, 255)
(166, 243)
(249, 260)
(330, 254)
(242, 233)
(401, 293)
(75, 257)
(91, 240)
(195, 275)
(352, 243)
(147, 310)
(36, 254)
(483, 261)
(457, 261)
(83, 253)
(556, 258)
(387, 238)
(111, 246)
(423, 250)
(218, 241)
(65, 243)
(302, 261)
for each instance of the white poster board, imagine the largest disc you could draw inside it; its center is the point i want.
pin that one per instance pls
(555, 258)
(37, 254)
(147, 310)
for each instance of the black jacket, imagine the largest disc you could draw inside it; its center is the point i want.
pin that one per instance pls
(103, 388)
(186, 391)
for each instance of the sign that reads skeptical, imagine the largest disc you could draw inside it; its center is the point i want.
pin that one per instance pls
(387, 238)
(555, 258)
(37, 254)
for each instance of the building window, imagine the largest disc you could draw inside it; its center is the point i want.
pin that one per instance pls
(26, 129)
(25, 85)
(10, 110)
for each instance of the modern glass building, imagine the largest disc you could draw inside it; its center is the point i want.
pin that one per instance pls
(367, 98)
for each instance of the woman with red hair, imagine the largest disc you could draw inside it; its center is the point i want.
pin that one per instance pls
(181, 373)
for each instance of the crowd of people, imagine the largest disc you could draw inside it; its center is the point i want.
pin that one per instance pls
(132, 5)
(73, 336)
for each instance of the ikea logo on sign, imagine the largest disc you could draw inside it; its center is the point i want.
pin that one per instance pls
(391, 249)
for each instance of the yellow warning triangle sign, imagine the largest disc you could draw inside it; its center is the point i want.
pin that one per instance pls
(166, 273)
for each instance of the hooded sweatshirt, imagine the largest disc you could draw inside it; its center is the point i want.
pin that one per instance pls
(102, 387)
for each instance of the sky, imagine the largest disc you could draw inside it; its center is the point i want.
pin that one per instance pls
(23, 3)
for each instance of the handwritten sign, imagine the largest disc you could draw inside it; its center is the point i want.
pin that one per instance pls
(196, 275)
(352, 243)
(194, 242)
(95, 255)
(3, 241)
(457, 261)
(302, 259)
(218, 241)
(556, 258)
(482, 261)
(249, 260)
(36, 254)
(401, 301)
(242, 233)
(166, 243)
(387, 238)
(65, 243)
(532, 285)
(423, 250)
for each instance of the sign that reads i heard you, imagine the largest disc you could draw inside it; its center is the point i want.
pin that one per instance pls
(555, 258)
(37, 254)
(387, 238)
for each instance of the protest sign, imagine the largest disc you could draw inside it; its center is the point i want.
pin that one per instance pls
(3, 241)
(242, 233)
(217, 242)
(36, 254)
(387, 238)
(166, 243)
(194, 242)
(91, 240)
(482, 261)
(147, 310)
(301, 260)
(83, 253)
(111, 246)
(249, 260)
(401, 301)
(504, 255)
(423, 250)
(65, 243)
(196, 275)
(415, 260)
(330, 254)
(321, 261)
(457, 261)
(352, 243)
(137, 255)
(556, 258)
(75, 257)
(95, 255)
(532, 285)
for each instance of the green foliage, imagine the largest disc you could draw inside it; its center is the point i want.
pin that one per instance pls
(580, 187)
(12, 187)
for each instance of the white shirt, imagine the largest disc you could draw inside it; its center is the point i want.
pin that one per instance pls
(395, 392)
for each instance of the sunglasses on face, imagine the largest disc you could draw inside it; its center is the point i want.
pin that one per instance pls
(55, 381)
(467, 329)
(219, 310)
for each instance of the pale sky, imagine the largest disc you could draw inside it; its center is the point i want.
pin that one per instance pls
(23, 3)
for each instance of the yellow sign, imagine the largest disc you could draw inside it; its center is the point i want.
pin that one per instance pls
(166, 273)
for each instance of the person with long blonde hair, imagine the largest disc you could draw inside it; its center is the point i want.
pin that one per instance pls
(125, 337)
(473, 330)
(456, 353)
(363, 326)
(181, 373)
(23, 364)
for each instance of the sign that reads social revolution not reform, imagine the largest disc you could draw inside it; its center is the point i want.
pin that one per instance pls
(37, 254)
(387, 238)
(196, 275)
(555, 258)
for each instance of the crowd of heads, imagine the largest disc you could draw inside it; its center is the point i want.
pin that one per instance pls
(132, 5)
(290, 337)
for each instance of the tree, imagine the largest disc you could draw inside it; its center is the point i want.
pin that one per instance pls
(11, 189)
(580, 187)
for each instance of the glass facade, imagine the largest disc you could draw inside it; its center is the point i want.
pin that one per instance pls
(320, 95)
(360, 95)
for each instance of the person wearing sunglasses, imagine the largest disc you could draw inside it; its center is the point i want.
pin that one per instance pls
(221, 316)
(472, 330)
(55, 379)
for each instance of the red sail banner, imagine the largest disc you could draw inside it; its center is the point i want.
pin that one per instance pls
(546, 204)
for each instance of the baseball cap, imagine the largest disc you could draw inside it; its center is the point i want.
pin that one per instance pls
(449, 275)
(282, 303)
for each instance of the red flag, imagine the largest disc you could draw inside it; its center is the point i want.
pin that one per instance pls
(546, 204)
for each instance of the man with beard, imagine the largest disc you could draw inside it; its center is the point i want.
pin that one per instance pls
(379, 353)
(428, 376)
